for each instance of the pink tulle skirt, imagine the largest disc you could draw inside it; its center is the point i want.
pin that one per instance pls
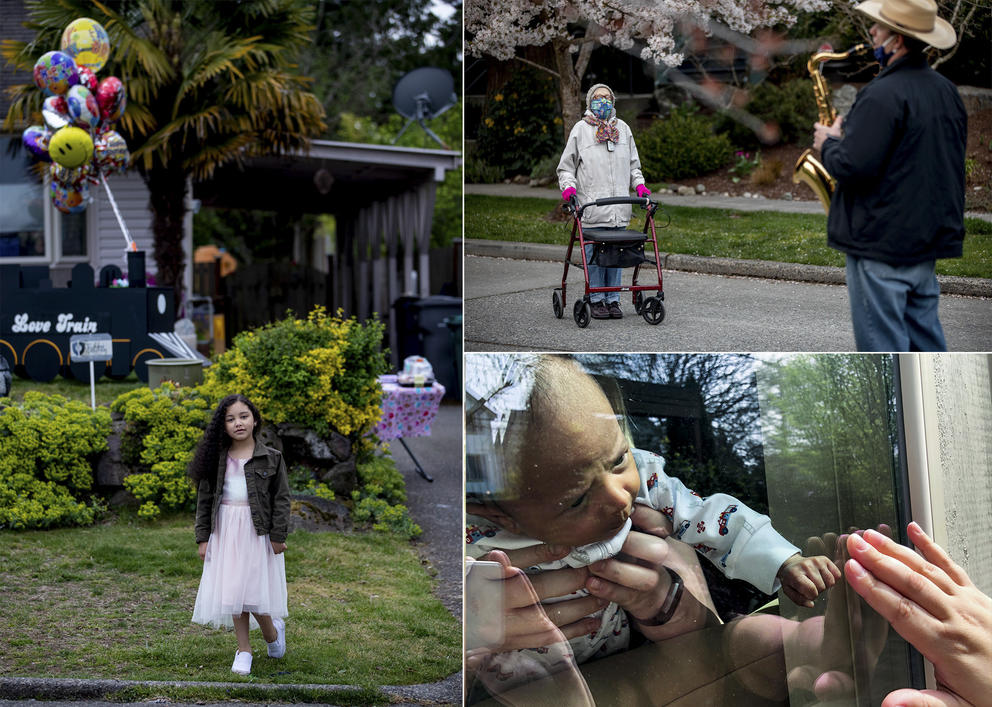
(240, 573)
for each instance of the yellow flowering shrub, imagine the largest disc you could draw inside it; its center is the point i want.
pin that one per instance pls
(162, 430)
(320, 371)
(48, 446)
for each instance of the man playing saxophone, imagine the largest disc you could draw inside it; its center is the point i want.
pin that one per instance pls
(899, 170)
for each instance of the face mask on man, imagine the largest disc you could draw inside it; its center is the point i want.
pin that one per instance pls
(601, 107)
(881, 56)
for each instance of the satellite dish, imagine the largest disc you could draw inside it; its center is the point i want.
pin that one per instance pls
(424, 94)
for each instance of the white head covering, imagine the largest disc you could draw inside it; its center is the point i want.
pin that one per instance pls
(593, 90)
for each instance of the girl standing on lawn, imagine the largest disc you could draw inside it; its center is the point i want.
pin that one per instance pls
(599, 161)
(242, 517)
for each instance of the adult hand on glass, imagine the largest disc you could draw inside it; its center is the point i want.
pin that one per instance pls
(932, 603)
(526, 624)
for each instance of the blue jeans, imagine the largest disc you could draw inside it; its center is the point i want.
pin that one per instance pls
(602, 277)
(894, 307)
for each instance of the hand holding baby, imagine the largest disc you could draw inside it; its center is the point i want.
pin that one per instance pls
(805, 578)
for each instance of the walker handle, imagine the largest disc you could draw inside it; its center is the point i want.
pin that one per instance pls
(644, 201)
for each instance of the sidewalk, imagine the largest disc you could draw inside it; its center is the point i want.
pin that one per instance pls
(967, 286)
(710, 201)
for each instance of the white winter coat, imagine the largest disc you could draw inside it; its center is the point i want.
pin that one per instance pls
(597, 173)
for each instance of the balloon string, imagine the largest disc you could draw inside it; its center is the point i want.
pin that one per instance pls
(117, 213)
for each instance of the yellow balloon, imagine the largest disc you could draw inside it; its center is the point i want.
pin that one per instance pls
(71, 147)
(86, 41)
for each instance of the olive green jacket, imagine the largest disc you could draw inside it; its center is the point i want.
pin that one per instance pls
(268, 495)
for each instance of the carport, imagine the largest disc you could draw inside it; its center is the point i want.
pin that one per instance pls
(382, 198)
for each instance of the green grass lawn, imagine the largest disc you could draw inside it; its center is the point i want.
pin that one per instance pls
(750, 235)
(115, 601)
(106, 389)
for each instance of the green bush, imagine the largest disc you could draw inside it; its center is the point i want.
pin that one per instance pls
(521, 123)
(47, 448)
(548, 167)
(680, 146)
(322, 371)
(381, 497)
(302, 480)
(162, 430)
(790, 106)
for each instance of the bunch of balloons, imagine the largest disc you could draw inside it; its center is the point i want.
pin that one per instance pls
(78, 136)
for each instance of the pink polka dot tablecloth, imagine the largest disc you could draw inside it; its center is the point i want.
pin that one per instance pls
(407, 412)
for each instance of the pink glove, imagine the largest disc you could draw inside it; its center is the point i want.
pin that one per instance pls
(642, 191)
(568, 194)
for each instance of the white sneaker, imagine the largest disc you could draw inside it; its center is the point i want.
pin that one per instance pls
(242, 663)
(277, 649)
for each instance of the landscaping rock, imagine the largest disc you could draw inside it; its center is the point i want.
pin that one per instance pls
(302, 442)
(342, 477)
(700, 188)
(110, 468)
(787, 196)
(5, 378)
(269, 436)
(686, 191)
(843, 98)
(317, 514)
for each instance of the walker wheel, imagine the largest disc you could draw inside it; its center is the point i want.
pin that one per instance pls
(652, 310)
(638, 301)
(582, 313)
(556, 303)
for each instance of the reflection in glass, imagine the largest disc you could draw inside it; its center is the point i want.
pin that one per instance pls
(829, 428)
(22, 220)
(810, 440)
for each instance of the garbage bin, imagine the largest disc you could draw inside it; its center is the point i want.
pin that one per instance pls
(407, 330)
(421, 331)
(454, 325)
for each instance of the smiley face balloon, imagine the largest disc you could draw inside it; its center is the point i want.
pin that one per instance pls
(71, 147)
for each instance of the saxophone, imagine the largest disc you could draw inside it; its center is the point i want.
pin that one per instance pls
(808, 169)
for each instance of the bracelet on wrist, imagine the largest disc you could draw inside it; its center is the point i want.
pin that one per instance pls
(670, 604)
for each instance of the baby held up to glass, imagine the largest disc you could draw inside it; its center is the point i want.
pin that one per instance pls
(571, 481)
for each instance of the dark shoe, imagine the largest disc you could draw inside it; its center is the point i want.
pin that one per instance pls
(600, 311)
(615, 312)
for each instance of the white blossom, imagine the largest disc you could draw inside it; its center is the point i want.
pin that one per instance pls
(498, 27)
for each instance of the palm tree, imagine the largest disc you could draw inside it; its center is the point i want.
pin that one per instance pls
(208, 83)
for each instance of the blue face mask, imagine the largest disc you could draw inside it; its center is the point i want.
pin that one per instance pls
(881, 56)
(601, 107)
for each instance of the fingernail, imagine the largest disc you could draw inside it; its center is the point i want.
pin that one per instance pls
(855, 569)
(594, 585)
(857, 541)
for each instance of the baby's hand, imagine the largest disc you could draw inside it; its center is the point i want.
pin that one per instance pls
(805, 578)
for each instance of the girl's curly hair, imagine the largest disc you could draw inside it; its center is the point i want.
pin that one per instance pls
(215, 440)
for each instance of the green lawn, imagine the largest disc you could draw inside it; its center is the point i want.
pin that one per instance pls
(107, 390)
(114, 601)
(757, 235)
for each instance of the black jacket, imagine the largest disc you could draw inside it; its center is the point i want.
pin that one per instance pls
(268, 495)
(900, 168)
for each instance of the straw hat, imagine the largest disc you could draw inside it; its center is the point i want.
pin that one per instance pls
(913, 18)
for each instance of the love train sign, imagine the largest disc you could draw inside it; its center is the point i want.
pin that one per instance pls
(38, 322)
